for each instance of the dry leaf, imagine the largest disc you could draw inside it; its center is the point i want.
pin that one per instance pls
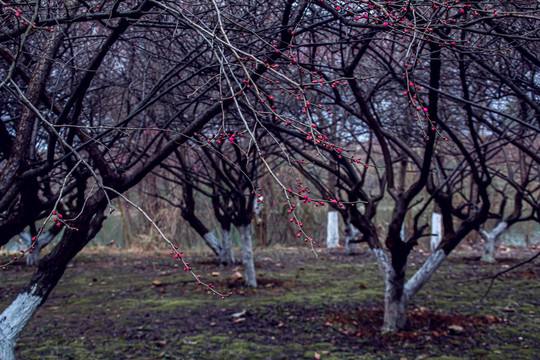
(456, 328)
(239, 314)
(236, 276)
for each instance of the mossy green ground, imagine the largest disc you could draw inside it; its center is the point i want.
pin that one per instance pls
(107, 307)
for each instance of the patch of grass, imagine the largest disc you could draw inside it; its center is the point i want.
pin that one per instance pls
(107, 308)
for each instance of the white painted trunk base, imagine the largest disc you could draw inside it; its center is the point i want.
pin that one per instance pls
(383, 262)
(395, 308)
(226, 256)
(395, 300)
(332, 230)
(490, 239)
(395, 305)
(423, 274)
(212, 241)
(436, 230)
(247, 255)
(350, 233)
(13, 320)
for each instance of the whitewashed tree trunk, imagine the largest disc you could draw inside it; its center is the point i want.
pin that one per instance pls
(395, 299)
(50, 269)
(258, 207)
(226, 256)
(423, 274)
(490, 239)
(247, 255)
(212, 241)
(350, 234)
(383, 262)
(436, 230)
(398, 293)
(332, 230)
(395, 302)
(13, 320)
(32, 257)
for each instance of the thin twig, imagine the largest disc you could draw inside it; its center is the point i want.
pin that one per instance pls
(494, 277)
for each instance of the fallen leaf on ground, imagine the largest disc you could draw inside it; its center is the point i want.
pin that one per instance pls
(239, 314)
(456, 328)
(236, 276)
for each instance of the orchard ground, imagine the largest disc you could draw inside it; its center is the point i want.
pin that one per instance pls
(112, 305)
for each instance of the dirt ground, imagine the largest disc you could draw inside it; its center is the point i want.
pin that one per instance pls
(112, 305)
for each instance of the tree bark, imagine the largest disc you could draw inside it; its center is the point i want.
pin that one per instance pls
(50, 270)
(436, 230)
(398, 293)
(247, 255)
(32, 258)
(395, 298)
(332, 230)
(213, 243)
(226, 256)
(395, 302)
(490, 239)
(201, 229)
(350, 234)
(14, 319)
(423, 275)
(260, 223)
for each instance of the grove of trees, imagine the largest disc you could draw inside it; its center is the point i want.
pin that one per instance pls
(418, 105)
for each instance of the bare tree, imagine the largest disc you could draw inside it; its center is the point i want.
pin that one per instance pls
(87, 120)
(425, 80)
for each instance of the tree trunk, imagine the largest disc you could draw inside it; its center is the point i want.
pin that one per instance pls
(395, 298)
(247, 255)
(50, 270)
(213, 243)
(260, 223)
(436, 230)
(226, 256)
(350, 234)
(332, 230)
(32, 257)
(490, 239)
(188, 213)
(423, 275)
(13, 320)
(395, 302)
(398, 293)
